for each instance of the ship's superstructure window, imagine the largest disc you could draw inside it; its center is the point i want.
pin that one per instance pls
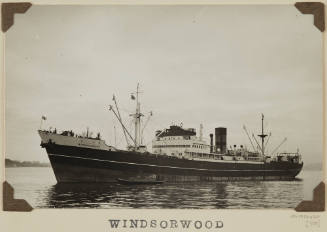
(170, 146)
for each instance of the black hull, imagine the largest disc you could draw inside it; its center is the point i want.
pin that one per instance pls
(139, 182)
(76, 164)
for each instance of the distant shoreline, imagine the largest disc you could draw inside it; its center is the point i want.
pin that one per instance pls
(28, 166)
(21, 164)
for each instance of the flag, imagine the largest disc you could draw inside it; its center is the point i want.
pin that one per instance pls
(44, 117)
(132, 97)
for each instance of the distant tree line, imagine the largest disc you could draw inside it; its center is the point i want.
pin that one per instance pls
(15, 163)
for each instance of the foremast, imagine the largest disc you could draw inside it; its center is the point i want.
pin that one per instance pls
(137, 140)
(137, 118)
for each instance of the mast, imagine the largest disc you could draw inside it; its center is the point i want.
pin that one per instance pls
(137, 140)
(262, 136)
(137, 117)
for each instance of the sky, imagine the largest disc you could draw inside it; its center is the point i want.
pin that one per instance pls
(215, 65)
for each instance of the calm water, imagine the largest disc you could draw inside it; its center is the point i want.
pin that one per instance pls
(38, 186)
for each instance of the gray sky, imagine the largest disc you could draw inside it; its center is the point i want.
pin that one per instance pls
(216, 65)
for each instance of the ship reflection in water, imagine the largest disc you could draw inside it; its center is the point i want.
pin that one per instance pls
(188, 195)
(137, 196)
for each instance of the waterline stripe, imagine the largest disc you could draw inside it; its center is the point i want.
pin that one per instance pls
(152, 165)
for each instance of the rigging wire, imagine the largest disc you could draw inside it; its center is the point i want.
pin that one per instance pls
(265, 146)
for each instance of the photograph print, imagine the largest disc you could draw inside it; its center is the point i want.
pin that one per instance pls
(164, 106)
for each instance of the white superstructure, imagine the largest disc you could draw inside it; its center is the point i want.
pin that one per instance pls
(179, 142)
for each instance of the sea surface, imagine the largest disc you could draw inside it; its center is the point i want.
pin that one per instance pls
(38, 186)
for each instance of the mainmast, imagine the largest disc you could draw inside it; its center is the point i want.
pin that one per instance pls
(262, 136)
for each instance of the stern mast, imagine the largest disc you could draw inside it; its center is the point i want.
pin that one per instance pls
(262, 136)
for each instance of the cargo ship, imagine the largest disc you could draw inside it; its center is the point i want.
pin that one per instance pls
(178, 155)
